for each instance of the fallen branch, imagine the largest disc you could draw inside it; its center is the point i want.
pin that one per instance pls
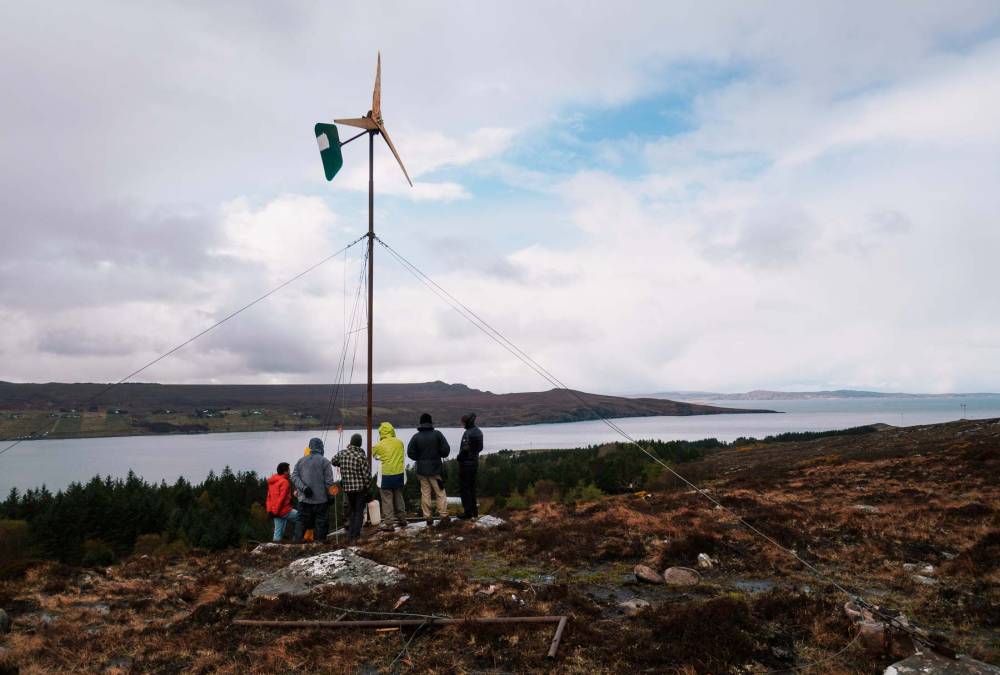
(398, 623)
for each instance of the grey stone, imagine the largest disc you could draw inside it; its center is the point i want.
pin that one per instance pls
(928, 663)
(865, 508)
(413, 529)
(647, 574)
(489, 522)
(925, 581)
(705, 562)
(634, 606)
(681, 576)
(343, 567)
(4, 623)
(266, 547)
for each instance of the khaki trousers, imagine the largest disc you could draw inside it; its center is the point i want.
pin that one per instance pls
(393, 507)
(428, 486)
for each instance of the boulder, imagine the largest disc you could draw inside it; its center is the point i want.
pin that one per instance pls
(488, 522)
(634, 606)
(647, 574)
(872, 636)
(928, 663)
(413, 529)
(4, 623)
(343, 567)
(266, 547)
(681, 576)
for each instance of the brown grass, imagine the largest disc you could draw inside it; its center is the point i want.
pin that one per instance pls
(938, 503)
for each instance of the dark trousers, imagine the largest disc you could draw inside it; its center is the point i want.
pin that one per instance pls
(358, 502)
(315, 517)
(467, 488)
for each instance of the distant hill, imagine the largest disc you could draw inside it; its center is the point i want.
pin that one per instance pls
(770, 395)
(401, 403)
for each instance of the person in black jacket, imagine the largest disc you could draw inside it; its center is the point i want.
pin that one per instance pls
(468, 465)
(427, 448)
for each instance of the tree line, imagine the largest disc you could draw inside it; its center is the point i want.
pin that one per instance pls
(104, 519)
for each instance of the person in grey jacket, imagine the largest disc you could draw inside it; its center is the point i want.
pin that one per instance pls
(313, 478)
(427, 448)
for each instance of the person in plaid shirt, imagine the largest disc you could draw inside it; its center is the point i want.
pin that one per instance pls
(356, 474)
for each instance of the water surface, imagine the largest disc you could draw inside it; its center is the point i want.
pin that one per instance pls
(56, 463)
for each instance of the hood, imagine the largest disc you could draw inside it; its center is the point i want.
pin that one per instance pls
(425, 426)
(315, 446)
(385, 431)
(275, 478)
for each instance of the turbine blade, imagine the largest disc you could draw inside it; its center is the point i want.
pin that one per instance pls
(385, 135)
(360, 122)
(377, 93)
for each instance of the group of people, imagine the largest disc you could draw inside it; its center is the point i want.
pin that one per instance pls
(302, 496)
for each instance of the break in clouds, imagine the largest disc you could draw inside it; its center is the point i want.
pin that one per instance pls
(680, 198)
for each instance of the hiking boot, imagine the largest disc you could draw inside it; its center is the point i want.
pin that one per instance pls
(430, 522)
(445, 520)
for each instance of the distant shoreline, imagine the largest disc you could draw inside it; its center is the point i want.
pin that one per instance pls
(145, 433)
(836, 395)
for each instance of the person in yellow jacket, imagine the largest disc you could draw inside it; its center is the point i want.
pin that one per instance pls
(392, 477)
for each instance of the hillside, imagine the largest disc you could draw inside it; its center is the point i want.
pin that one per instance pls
(909, 517)
(150, 408)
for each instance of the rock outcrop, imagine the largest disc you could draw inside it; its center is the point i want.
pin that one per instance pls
(647, 574)
(681, 576)
(927, 663)
(340, 567)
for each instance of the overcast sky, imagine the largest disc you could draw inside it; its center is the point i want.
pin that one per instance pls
(643, 196)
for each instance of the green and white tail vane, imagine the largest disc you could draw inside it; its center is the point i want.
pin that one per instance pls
(329, 148)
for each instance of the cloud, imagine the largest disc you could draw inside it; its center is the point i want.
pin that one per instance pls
(824, 216)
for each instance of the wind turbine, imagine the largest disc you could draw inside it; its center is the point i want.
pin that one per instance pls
(329, 145)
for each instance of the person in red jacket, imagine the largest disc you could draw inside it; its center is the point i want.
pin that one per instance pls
(279, 500)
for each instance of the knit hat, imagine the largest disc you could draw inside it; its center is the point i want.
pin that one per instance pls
(316, 446)
(426, 419)
(356, 440)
